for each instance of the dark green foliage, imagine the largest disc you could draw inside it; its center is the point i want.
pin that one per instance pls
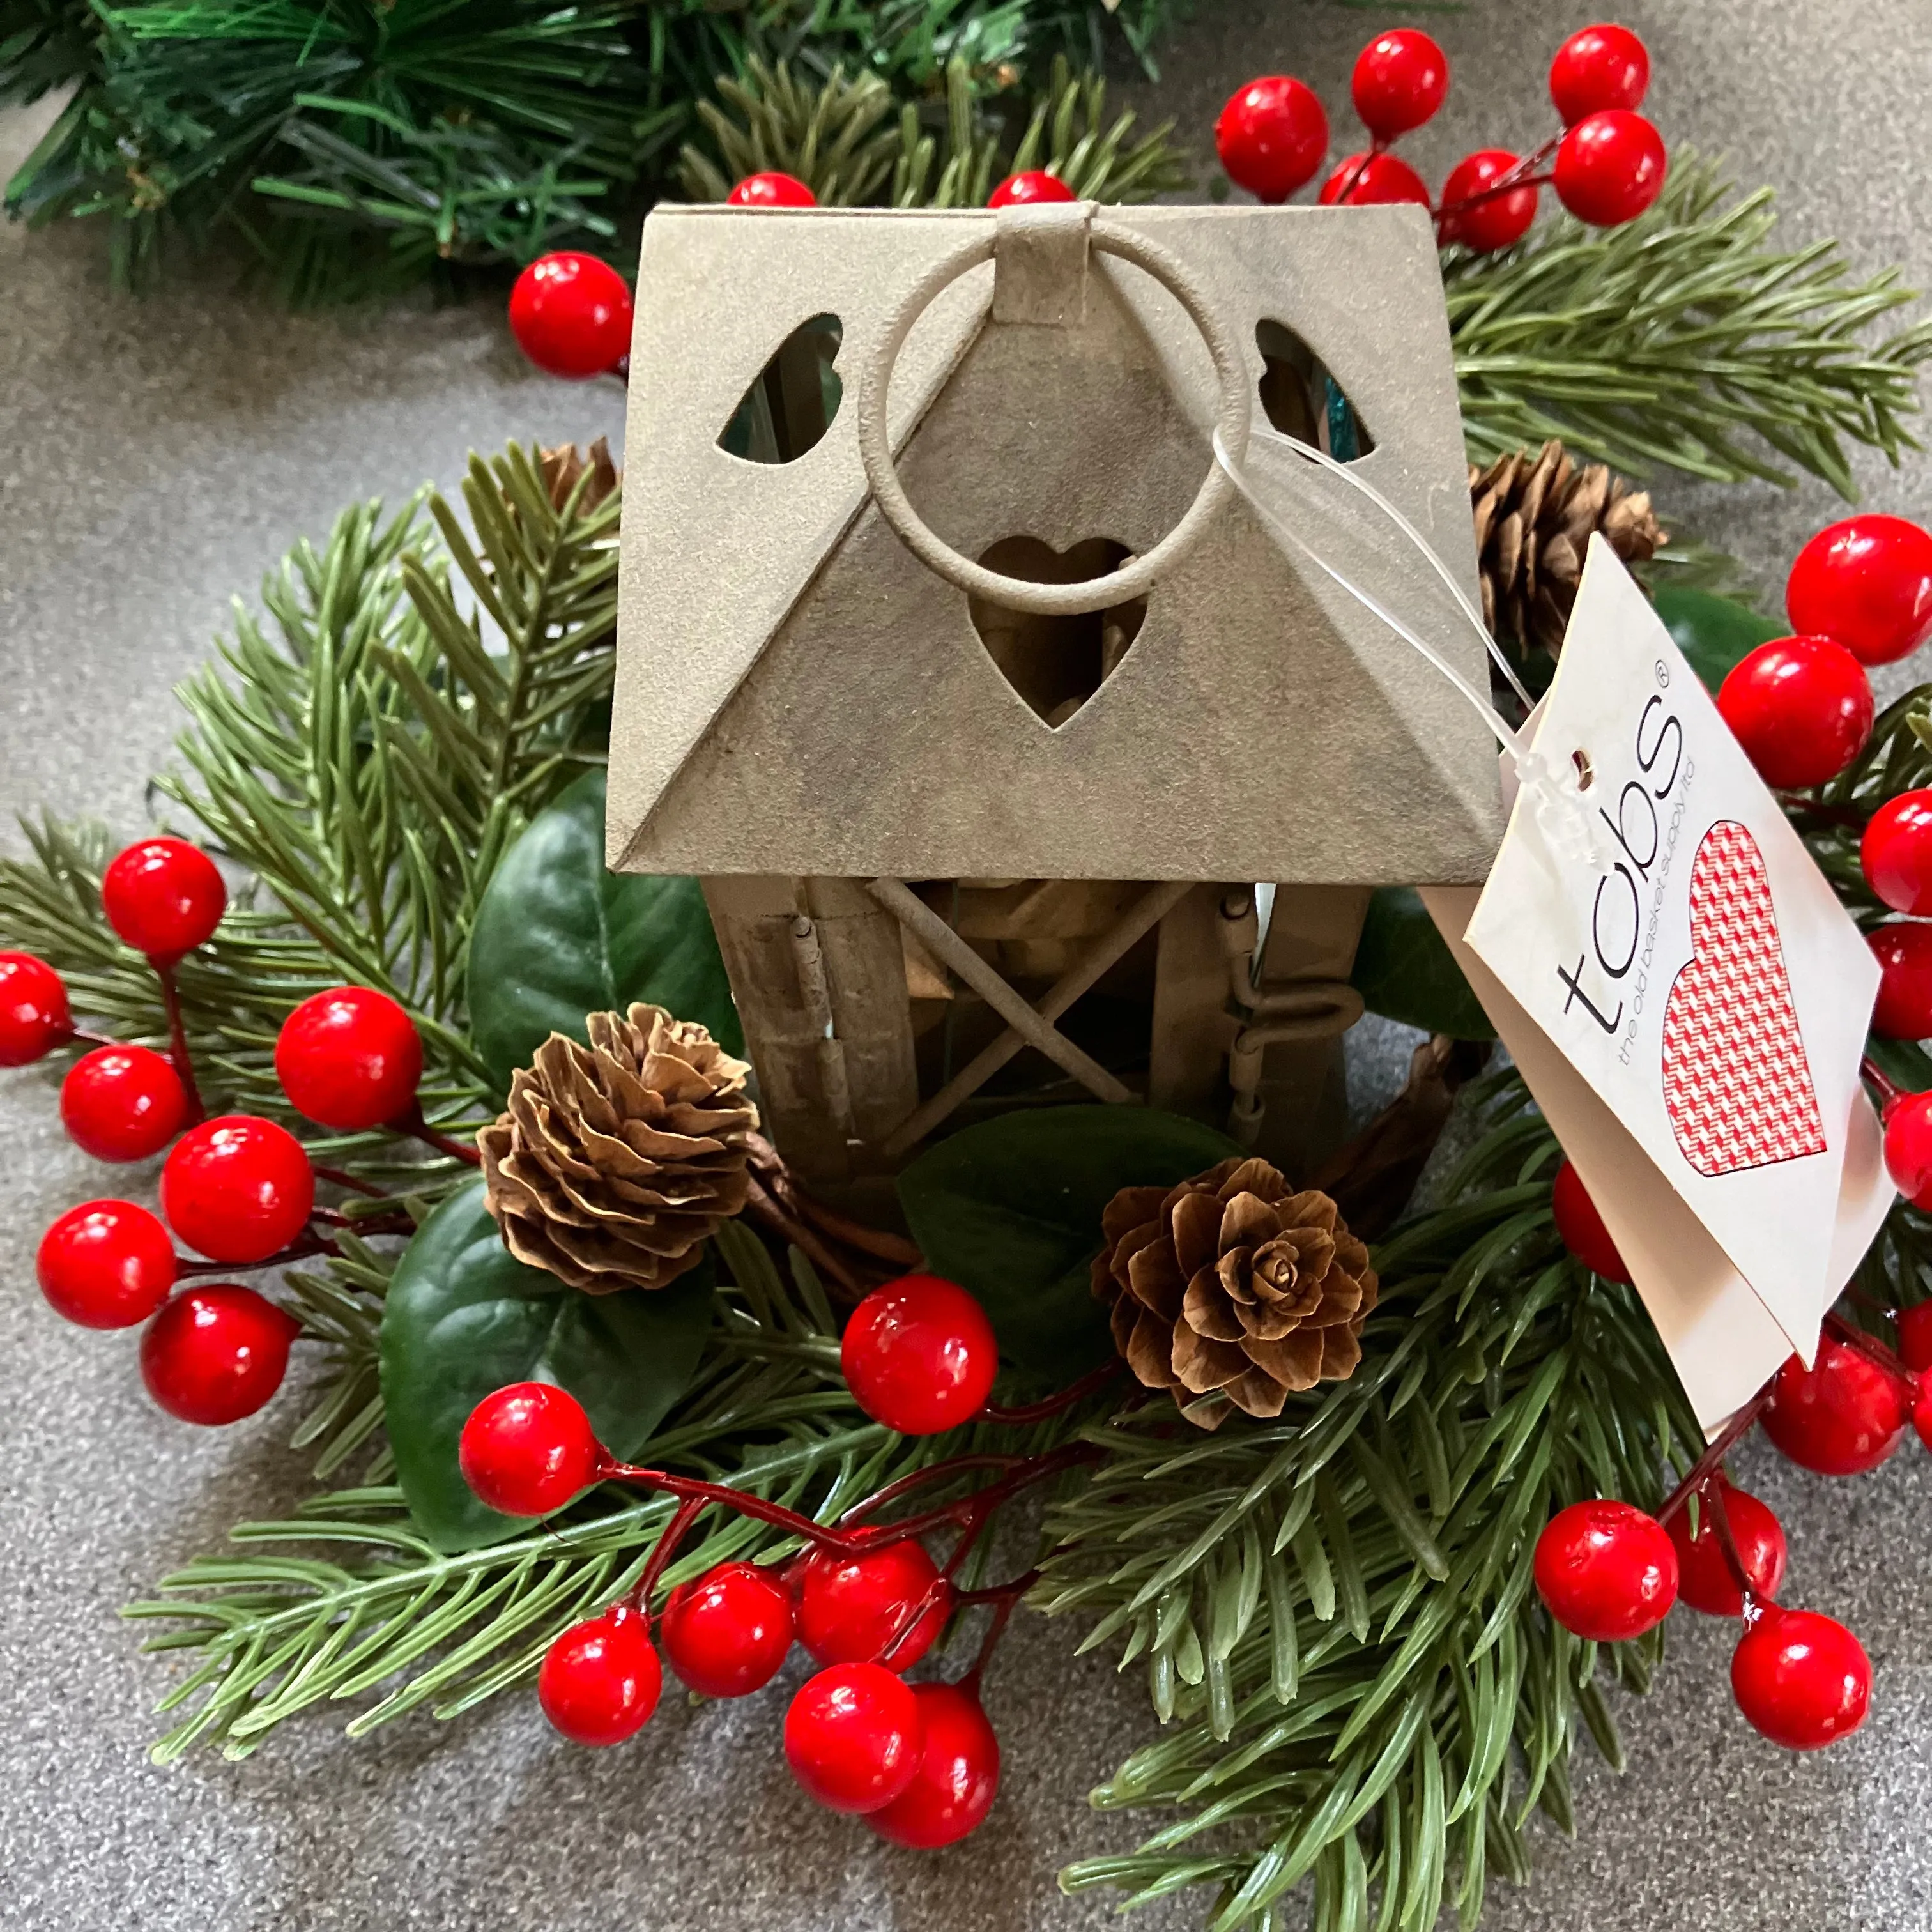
(557, 937)
(44, 44)
(1680, 340)
(354, 145)
(1011, 1209)
(1335, 1611)
(1713, 632)
(462, 1317)
(1405, 970)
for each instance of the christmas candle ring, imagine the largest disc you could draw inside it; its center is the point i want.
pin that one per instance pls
(1015, 593)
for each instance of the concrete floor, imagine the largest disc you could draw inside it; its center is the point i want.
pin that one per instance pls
(159, 457)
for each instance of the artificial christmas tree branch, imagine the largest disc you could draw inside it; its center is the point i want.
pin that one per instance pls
(1681, 340)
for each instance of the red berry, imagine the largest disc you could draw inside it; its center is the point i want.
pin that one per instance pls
(33, 1016)
(1704, 1579)
(1867, 583)
(600, 1680)
(528, 1449)
(163, 897)
(122, 1102)
(958, 1774)
(1908, 1160)
(1502, 221)
(1914, 1335)
(919, 1355)
(1605, 1570)
(238, 1188)
(1801, 1678)
(850, 1607)
(1400, 79)
(1802, 707)
(216, 1352)
(1903, 1010)
(771, 190)
(1609, 167)
(1896, 853)
(349, 1059)
(570, 315)
(1582, 1227)
(726, 1633)
(852, 1737)
(1921, 1414)
(1371, 179)
(106, 1264)
(1841, 1418)
(1271, 137)
(1034, 185)
(1598, 67)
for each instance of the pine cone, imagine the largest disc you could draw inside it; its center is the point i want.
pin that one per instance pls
(1233, 1281)
(617, 1160)
(1533, 516)
(562, 466)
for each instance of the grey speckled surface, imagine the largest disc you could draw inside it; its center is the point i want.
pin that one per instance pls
(158, 457)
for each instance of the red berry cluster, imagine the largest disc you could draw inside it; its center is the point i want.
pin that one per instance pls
(919, 1762)
(1608, 1572)
(1606, 166)
(1859, 593)
(236, 1189)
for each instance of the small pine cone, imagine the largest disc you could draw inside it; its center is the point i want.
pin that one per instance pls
(1233, 1283)
(616, 1161)
(1534, 517)
(562, 466)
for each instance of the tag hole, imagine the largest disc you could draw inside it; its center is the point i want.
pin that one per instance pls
(1586, 771)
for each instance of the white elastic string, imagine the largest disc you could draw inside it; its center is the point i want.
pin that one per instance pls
(1308, 450)
(1555, 792)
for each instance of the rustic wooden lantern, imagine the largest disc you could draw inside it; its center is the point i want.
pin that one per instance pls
(981, 818)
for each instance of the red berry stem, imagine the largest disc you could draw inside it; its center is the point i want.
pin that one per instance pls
(413, 1123)
(1712, 1460)
(1004, 1598)
(1525, 174)
(1887, 1089)
(1710, 1494)
(305, 1249)
(878, 1242)
(177, 1052)
(1871, 1347)
(686, 1513)
(760, 1204)
(856, 1542)
(1377, 146)
(336, 1176)
(1070, 1397)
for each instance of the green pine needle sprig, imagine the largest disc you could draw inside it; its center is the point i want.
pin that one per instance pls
(1681, 341)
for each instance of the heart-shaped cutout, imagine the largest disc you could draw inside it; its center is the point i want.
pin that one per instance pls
(1056, 663)
(1737, 1082)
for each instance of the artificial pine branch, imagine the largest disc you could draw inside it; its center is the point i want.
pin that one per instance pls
(837, 137)
(1680, 340)
(279, 1628)
(367, 753)
(1335, 1610)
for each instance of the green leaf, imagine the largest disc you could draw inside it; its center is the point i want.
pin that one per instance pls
(1405, 970)
(1011, 1209)
(464, 1317)
(557, 937)
(1713, 632)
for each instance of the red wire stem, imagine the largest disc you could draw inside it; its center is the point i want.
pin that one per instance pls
(1888, 1089)
(1069, 1397)
(411, 1122)
(177, 1052)
(686, 1513)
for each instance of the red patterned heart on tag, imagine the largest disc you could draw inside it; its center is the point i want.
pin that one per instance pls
(1737, 1084)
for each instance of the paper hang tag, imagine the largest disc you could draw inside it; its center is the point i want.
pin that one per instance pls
(1691, 1001)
